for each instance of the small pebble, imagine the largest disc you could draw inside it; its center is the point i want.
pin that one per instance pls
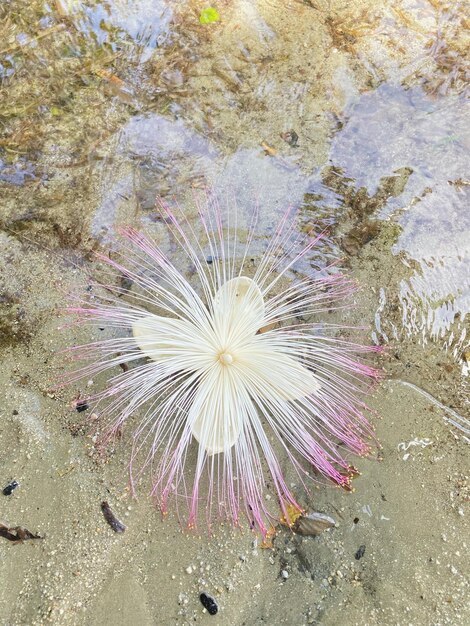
(8, 490)
(209, 603)
(360, 552)
(284, 574)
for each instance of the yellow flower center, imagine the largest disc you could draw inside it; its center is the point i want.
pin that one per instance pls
(225, 358)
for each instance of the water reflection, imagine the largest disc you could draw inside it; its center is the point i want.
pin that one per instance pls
(392, 128)
(165, 158)
(144, 22)
(17, 173)
(435, 233)
(152, 157)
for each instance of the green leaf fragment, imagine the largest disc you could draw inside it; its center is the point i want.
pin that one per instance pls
(209, 15)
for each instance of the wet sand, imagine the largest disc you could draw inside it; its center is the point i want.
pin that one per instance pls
(121, 113)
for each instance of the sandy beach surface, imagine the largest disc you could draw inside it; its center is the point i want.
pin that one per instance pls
(354, 113)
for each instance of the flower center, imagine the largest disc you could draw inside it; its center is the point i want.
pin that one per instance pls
(225, 358)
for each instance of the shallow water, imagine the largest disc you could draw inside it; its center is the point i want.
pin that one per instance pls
(354, 113)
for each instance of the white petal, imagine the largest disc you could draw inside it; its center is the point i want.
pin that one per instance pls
(271, 374)
(239, 307)
(217, 413)
(164, 337)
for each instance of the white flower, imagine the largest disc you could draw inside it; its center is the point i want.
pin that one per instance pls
(235, 364)
(232, 367)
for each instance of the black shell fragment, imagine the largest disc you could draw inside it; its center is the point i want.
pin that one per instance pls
(209, 603)
(360, 552)
(8, 490)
